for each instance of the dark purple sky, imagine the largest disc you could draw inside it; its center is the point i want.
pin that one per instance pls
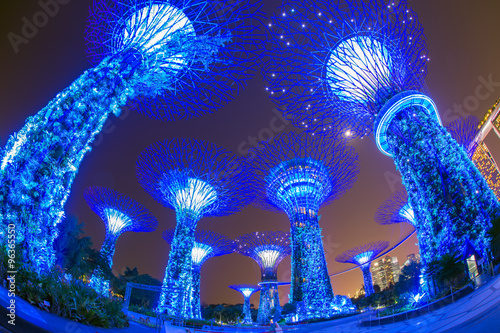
(462, 38)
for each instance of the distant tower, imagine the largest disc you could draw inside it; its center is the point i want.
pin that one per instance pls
(196, 179)
(119, 214)
(175, 59)
(207, 244)
(297, 174)
(267, 249)
(362, 256)
(365, 62)
(247, 290)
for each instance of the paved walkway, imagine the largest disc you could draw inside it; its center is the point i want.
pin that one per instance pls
(477, 312)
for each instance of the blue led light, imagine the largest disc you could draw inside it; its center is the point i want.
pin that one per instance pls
(395, 105)
(268, 249)
(297, 174)
(196, 179)
(362, 256)
(357, 68)
(120, 214)
(247, 290)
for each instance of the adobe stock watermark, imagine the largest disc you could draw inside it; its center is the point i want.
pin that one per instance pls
(31, 26)
(484, 89)
(11, 274)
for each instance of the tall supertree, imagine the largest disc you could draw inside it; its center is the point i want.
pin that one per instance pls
(207, 244)
(172, 59)
(247, 290)
(268, 249)
(196, 179)
(365, 63)
(119, 214)
(363, 256)
(297, 174)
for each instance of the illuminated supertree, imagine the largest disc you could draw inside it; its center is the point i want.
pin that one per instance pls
(119, 214)
(174, 59)
(297, 174)
(207, 244)
(363, 256)
(396, 209)
(365, 63)
(247, 290)
(196, 179)
(268, 249)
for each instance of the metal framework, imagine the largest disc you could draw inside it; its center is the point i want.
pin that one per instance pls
(396, 209)
(207, 244)
(176, 59)
(363, 256)
(464, 131)
(365, 63)
(120, 214)
(268, 249)
(196, 179)
(297, 174)
(247, 290)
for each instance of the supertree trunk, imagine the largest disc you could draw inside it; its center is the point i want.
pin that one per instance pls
(451, 199)
(177, 285)
(246, 311)
(40, 162)
(195, 308)
(98, 282)
(367, 279)
(269, 302)
(310, 282)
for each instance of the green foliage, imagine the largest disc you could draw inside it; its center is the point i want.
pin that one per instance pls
(146, 299)
(289, 308)
(74, 253)
(448, 270)
(409, 279)
(228, 313)
(70, 299)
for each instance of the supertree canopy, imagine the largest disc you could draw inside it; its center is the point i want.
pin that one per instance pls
(363, 256)
(464, 131)
(196, 179)
(119, 214)
(297, 174)
(247, 290)
(365, 63)
(207, 244)
(267, 248)
(396, 209)
(176, 59)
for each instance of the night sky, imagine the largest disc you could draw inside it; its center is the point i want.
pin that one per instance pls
(462, 37)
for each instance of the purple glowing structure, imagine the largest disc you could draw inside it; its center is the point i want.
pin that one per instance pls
(207, 244)
(363, 256)
(297, 174)
(268, 249)
(247, 290)
(196, 179)
(119, 214)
